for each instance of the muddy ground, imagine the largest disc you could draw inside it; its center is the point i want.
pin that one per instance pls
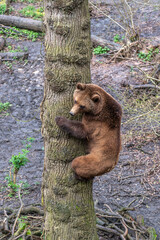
(135, 178)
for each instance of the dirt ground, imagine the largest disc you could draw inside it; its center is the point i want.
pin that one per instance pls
(136, 177)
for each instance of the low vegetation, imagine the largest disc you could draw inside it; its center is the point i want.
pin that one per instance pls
(4, 106)
(3, 9)
(100, 50)
(147, 56)
(18, 33)
(118, 38)
(18, 161)
(31, 11)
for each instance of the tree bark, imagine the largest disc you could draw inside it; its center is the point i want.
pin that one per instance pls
(68, 202)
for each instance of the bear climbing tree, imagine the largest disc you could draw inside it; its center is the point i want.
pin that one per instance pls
(69, 208)
(100, 127)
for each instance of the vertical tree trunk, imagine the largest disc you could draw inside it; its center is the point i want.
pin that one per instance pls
(8, 2)
(69, 209)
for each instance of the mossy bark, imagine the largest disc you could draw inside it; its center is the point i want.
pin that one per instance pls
(69, 208)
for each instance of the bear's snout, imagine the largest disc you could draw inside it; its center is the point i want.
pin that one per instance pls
(71, 113)
(74, 110)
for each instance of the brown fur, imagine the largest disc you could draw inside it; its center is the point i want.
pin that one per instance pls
(100, 126)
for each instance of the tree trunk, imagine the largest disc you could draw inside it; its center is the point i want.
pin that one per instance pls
(8, 2)
(69, 208)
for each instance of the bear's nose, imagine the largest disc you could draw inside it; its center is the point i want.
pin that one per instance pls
(71, 113)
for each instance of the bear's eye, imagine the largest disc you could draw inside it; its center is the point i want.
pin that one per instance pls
(96, 100)
(82, 107)
(75, 101)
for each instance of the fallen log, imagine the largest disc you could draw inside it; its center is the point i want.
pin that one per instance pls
(10, 56)
(104, 43)
(20, 22)
(36, 25)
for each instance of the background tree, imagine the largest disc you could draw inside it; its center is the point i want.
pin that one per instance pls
(8, 2)
(69, 208)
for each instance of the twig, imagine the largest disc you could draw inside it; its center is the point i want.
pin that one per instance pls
(21, 235)
(131, 202)
(135, 230)
(107, 229)
(147, 76)
(107, 16)
(35, 217)
(141, 115)
(108, 207)
(19, 211)
(5, 222)
(124, 221)
(141, 150)
(124, 49)
(143, 86)
(125, 227)
(148, 4)
(5, 236)
(131, 15)
(131, 176)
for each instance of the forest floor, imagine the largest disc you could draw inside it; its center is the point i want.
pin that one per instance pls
(135, 180)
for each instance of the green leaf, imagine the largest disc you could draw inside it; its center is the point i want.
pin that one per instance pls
(28, 232)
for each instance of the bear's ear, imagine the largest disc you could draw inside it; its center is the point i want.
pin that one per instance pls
(96, 98)
(81, 86)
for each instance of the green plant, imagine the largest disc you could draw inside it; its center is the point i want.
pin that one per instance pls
(132, 68)
(18, 49)
(31, 34)
(149, 55)
(12, 49)
(31, 11)
(13, 186)
(117, 38)
(17, 162)
(22, 225)
(100, 50)
(4, 106)
(9, 65)
(17, 33)
(25, 49)
(152, 233)
(3, 9)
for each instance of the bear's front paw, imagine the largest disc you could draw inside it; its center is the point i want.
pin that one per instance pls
(60, 121)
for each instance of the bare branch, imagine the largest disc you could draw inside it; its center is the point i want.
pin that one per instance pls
(19, 211)
(108, 16)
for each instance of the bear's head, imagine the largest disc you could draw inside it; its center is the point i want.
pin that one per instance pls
(87, 99)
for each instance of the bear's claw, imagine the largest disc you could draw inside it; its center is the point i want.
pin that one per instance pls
(60, 121)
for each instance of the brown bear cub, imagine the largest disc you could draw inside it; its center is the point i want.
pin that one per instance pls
(100, 126)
